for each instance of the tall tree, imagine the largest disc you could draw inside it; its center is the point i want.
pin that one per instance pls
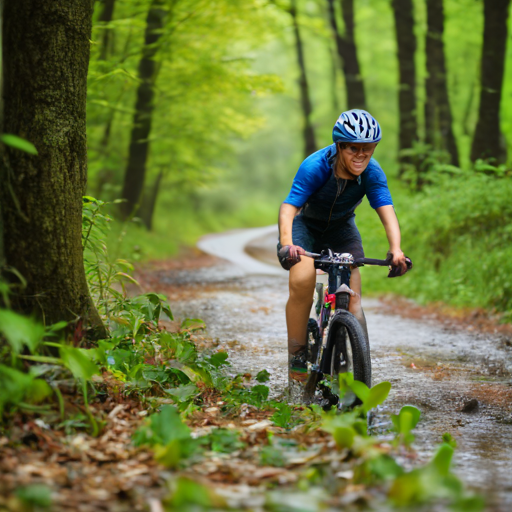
(105, 17)
(438, 114)
(139, 141)
(406, 48)
(488, 140)
(305, 99)
(347, 52)
(45, 48)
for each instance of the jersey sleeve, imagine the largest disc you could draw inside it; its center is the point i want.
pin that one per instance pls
(312, 174)
(377, 189)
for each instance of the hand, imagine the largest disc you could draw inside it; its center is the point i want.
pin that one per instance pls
(399, 263)
(289, 255)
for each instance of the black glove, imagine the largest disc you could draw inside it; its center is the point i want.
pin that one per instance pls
(398, 271)
(289, 255)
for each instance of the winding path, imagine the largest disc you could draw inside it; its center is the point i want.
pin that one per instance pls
(460, 380)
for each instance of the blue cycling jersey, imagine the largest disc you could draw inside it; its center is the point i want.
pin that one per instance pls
(315, 183)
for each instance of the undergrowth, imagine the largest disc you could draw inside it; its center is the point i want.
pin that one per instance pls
(177, 384)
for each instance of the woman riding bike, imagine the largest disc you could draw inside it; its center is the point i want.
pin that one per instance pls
(319, 214)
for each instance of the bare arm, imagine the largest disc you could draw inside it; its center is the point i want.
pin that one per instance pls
(390, 222)
(287, 213)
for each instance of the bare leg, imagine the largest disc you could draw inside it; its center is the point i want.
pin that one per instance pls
(302, 285)
(355, 306)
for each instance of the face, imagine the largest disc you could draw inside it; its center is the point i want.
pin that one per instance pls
(356, 157)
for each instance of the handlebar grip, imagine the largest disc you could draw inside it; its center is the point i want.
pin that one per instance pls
(371, 261)
(312, 254)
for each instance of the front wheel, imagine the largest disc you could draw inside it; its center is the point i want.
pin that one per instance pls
(346, 351)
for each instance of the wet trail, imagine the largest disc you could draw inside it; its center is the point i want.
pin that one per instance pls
(461, 381)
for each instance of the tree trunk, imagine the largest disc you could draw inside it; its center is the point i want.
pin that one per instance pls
(45, 49)
(105, 17)
(305, 101)
(347, 52)
(406, 43)
(438, 114)
(148, 206)
(139, 143)
(487, 139)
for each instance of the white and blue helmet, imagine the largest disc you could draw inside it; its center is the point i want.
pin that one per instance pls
(356, 126)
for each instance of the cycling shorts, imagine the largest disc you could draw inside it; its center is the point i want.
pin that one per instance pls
(340, 236)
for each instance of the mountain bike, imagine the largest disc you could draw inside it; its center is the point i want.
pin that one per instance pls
(336, 341)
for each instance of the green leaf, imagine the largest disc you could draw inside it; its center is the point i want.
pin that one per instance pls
(361, 390)
(38, 391)
(344, 436)
(20, 331)
(183, 393)
(406, 419)
(80, 365)
(37, 495)
(442, 459)
(219, 359)
(263, 376)
(14, 385)
(162, 428)
(17, 142)
(377, 395)
(168, 455)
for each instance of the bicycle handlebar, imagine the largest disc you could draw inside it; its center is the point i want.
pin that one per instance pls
(357, 261)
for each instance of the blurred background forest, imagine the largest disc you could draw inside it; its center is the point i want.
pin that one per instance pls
(200, 112)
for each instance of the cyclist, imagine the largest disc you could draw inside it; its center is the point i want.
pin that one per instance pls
(319, 213)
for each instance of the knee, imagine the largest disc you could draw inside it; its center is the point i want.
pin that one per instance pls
(302, 287)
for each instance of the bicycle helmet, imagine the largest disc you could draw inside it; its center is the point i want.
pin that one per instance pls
(356, 126)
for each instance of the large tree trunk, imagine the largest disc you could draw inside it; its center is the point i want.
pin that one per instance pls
(45, 61)
(487, 139)
(347, 52)
(105, 17)
(139, 143)
(305, 101)
(406, 43)
(438, 114)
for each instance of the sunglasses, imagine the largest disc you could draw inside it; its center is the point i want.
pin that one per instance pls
(366, 150)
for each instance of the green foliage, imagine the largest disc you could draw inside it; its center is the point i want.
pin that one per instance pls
(224, 441)
(433, 482)
(263, 376)
(168, 435)
(18, 143)
(460, 231)
(404, 422)
(35, 495)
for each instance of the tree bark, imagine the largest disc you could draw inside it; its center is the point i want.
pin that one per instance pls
(305, 101)
(438, 114)
(347, 52)
(406, 43)
(148, 206)
(45, 48)
(105, 17)
(487, 139)
(139, 143)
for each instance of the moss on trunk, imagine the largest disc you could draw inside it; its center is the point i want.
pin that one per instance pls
(45, 63)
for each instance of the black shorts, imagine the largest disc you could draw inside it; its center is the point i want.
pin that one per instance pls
(340, 236)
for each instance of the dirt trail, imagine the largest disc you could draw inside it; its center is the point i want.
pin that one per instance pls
(460, 380)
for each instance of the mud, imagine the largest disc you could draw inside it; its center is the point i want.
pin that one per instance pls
(459, 379)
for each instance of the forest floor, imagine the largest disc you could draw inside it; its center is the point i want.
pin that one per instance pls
(456, 371)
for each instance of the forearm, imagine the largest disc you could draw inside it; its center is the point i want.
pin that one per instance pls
(287, 213)
(390, 222)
